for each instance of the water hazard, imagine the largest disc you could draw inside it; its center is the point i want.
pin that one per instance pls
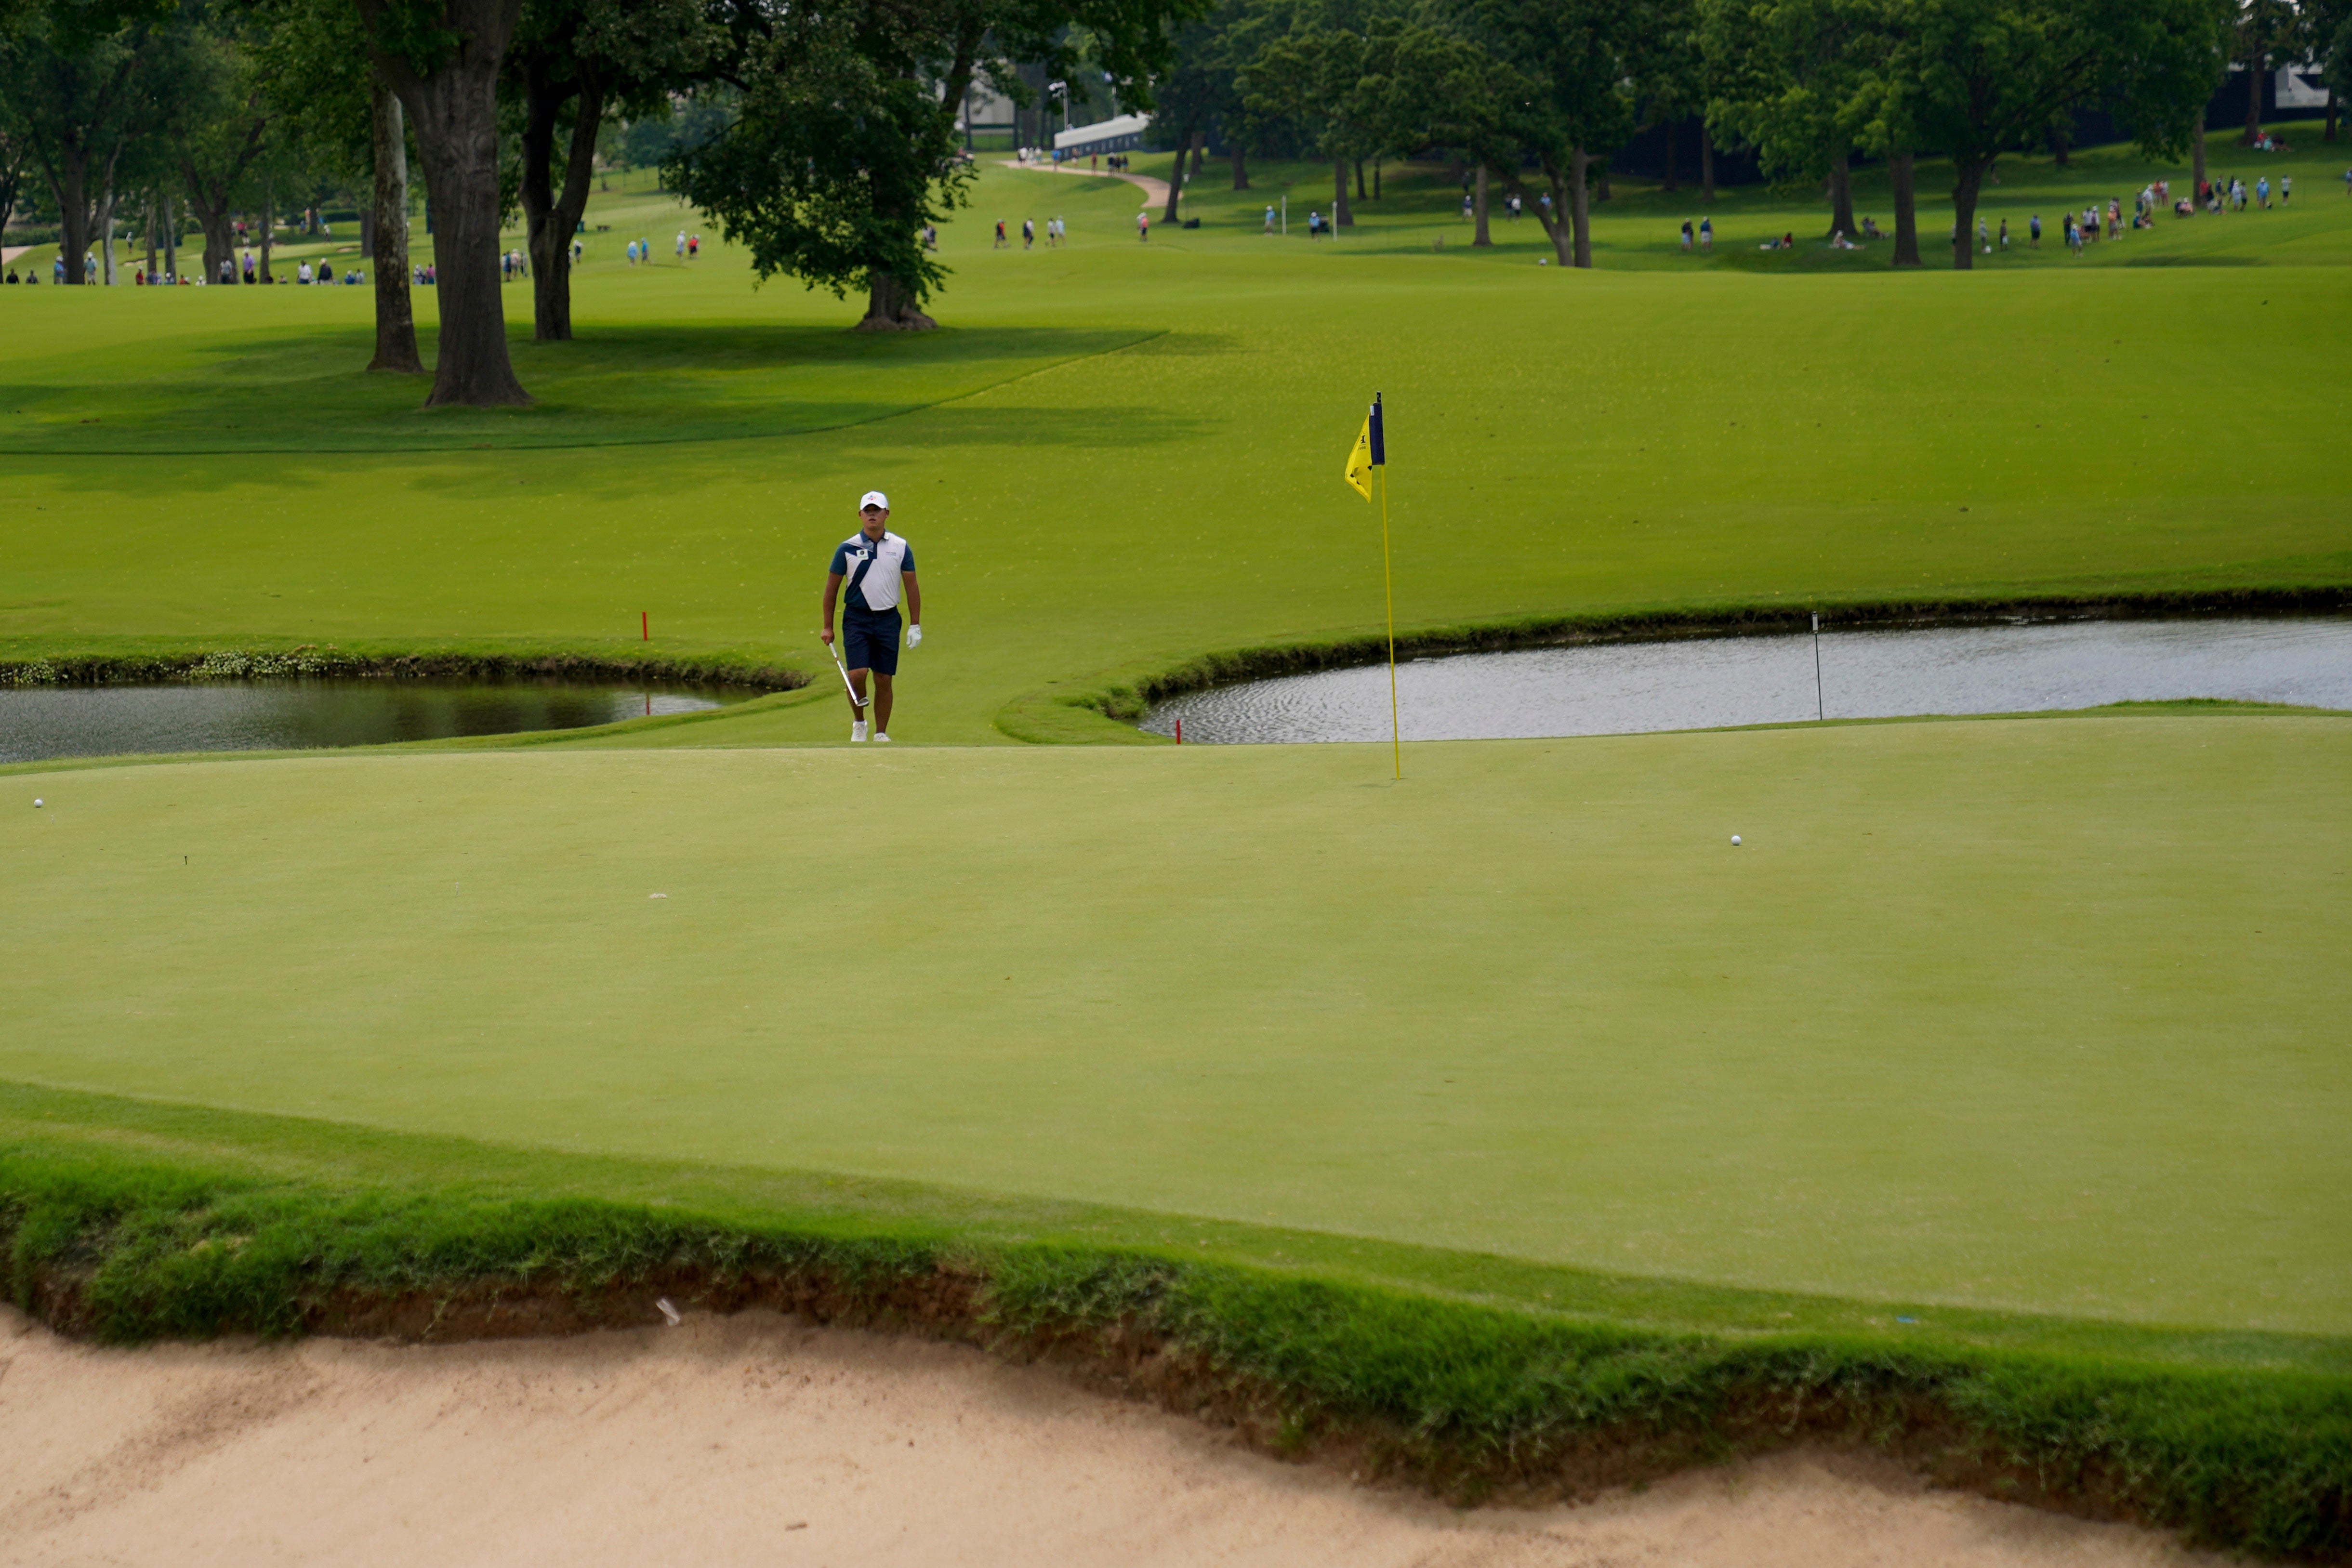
(1616, 688)
(38, 722)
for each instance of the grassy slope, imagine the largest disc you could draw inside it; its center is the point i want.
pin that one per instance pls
(1985, 1017)
(2015, 1015)
(1637, 438)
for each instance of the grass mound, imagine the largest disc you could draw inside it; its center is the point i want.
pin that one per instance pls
(1463, 1397)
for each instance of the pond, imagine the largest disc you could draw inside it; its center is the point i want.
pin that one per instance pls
(1700, 682)
(38, 722)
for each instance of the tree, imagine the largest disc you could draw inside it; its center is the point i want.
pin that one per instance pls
(214, 119)
(70, 76)
(1669, 72)
(1203, 88)
(2327, 41)
(1569, 62)
(334, 111)
(1318, 77)
(442, 57)
(1793, 81)
(2269, 34)
(587, 56)
(845, 145)
(1981, 78)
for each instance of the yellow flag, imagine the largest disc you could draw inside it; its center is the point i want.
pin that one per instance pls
(1359, 462)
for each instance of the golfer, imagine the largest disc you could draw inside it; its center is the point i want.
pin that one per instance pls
(874, 562)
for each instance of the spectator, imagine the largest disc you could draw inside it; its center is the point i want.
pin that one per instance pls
(2004, 234)
(1706, 233)
(1687, 237)
(1000, 235)
(1028, 233)
(2263, 192)
(1269, 208)
(1142, 226)
(2286, 189)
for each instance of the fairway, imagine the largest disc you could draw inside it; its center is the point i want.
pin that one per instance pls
(1122, 456)
(2041, 1015)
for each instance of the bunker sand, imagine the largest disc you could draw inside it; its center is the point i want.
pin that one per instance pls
(759, 1439)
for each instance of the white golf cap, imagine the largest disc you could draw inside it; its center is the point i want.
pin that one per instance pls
(874, 499)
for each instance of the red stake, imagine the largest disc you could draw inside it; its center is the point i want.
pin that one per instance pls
(1180, 732)
(646, 624)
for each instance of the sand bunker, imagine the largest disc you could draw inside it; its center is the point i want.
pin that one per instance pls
(755, 1439)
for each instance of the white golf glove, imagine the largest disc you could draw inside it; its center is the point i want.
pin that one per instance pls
(914, 636)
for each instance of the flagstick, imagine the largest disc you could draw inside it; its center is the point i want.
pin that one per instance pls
(1388, 582)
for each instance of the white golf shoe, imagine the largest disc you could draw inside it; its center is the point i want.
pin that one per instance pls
(879, 736)
(857, 731)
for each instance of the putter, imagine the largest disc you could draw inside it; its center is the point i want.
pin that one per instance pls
(835, 650)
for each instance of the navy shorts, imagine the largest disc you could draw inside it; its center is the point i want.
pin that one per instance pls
(869, 641)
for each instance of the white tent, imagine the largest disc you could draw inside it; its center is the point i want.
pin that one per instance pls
(1122, 134)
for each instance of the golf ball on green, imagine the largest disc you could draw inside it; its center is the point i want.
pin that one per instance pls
(1735, 838)
(36, 802)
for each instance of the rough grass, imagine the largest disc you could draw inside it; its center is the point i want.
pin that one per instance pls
(1463, 1397)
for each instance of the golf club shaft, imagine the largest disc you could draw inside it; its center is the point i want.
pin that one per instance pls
(845, 684)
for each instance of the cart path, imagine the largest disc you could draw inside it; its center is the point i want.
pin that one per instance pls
(1155, 191)
(759, 1439)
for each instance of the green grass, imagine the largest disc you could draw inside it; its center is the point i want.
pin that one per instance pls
(2022, 1016)
(1641, 440)
(129, 1221)
(2029, 1031)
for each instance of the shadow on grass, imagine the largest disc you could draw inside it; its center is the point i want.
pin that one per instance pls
(303, 393)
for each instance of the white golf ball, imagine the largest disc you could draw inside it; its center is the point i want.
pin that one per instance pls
(36, 802)
(1735, 838)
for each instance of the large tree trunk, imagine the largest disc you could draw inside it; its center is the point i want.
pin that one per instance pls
(1478, 211)
(105, 235)
(1360, 181)
(890, 308)
(454, 108)
(1341, 217)
(1240, 169)
(1906, 210)
(211, 210)
(1670, 183)
(1176, 175)
(268, 224)
(1581, 204)
(1968, 181)
(2331, 116)
(1552, 218)
(150, 237)
(2254, 97)
(1706, 163)
(550, 218)
(171, 241)
(1841, 196)
(395, 315)
(2059, 148)
(2197, 160)
(70, 185)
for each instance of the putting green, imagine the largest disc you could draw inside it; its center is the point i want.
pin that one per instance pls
(2039, 1014)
